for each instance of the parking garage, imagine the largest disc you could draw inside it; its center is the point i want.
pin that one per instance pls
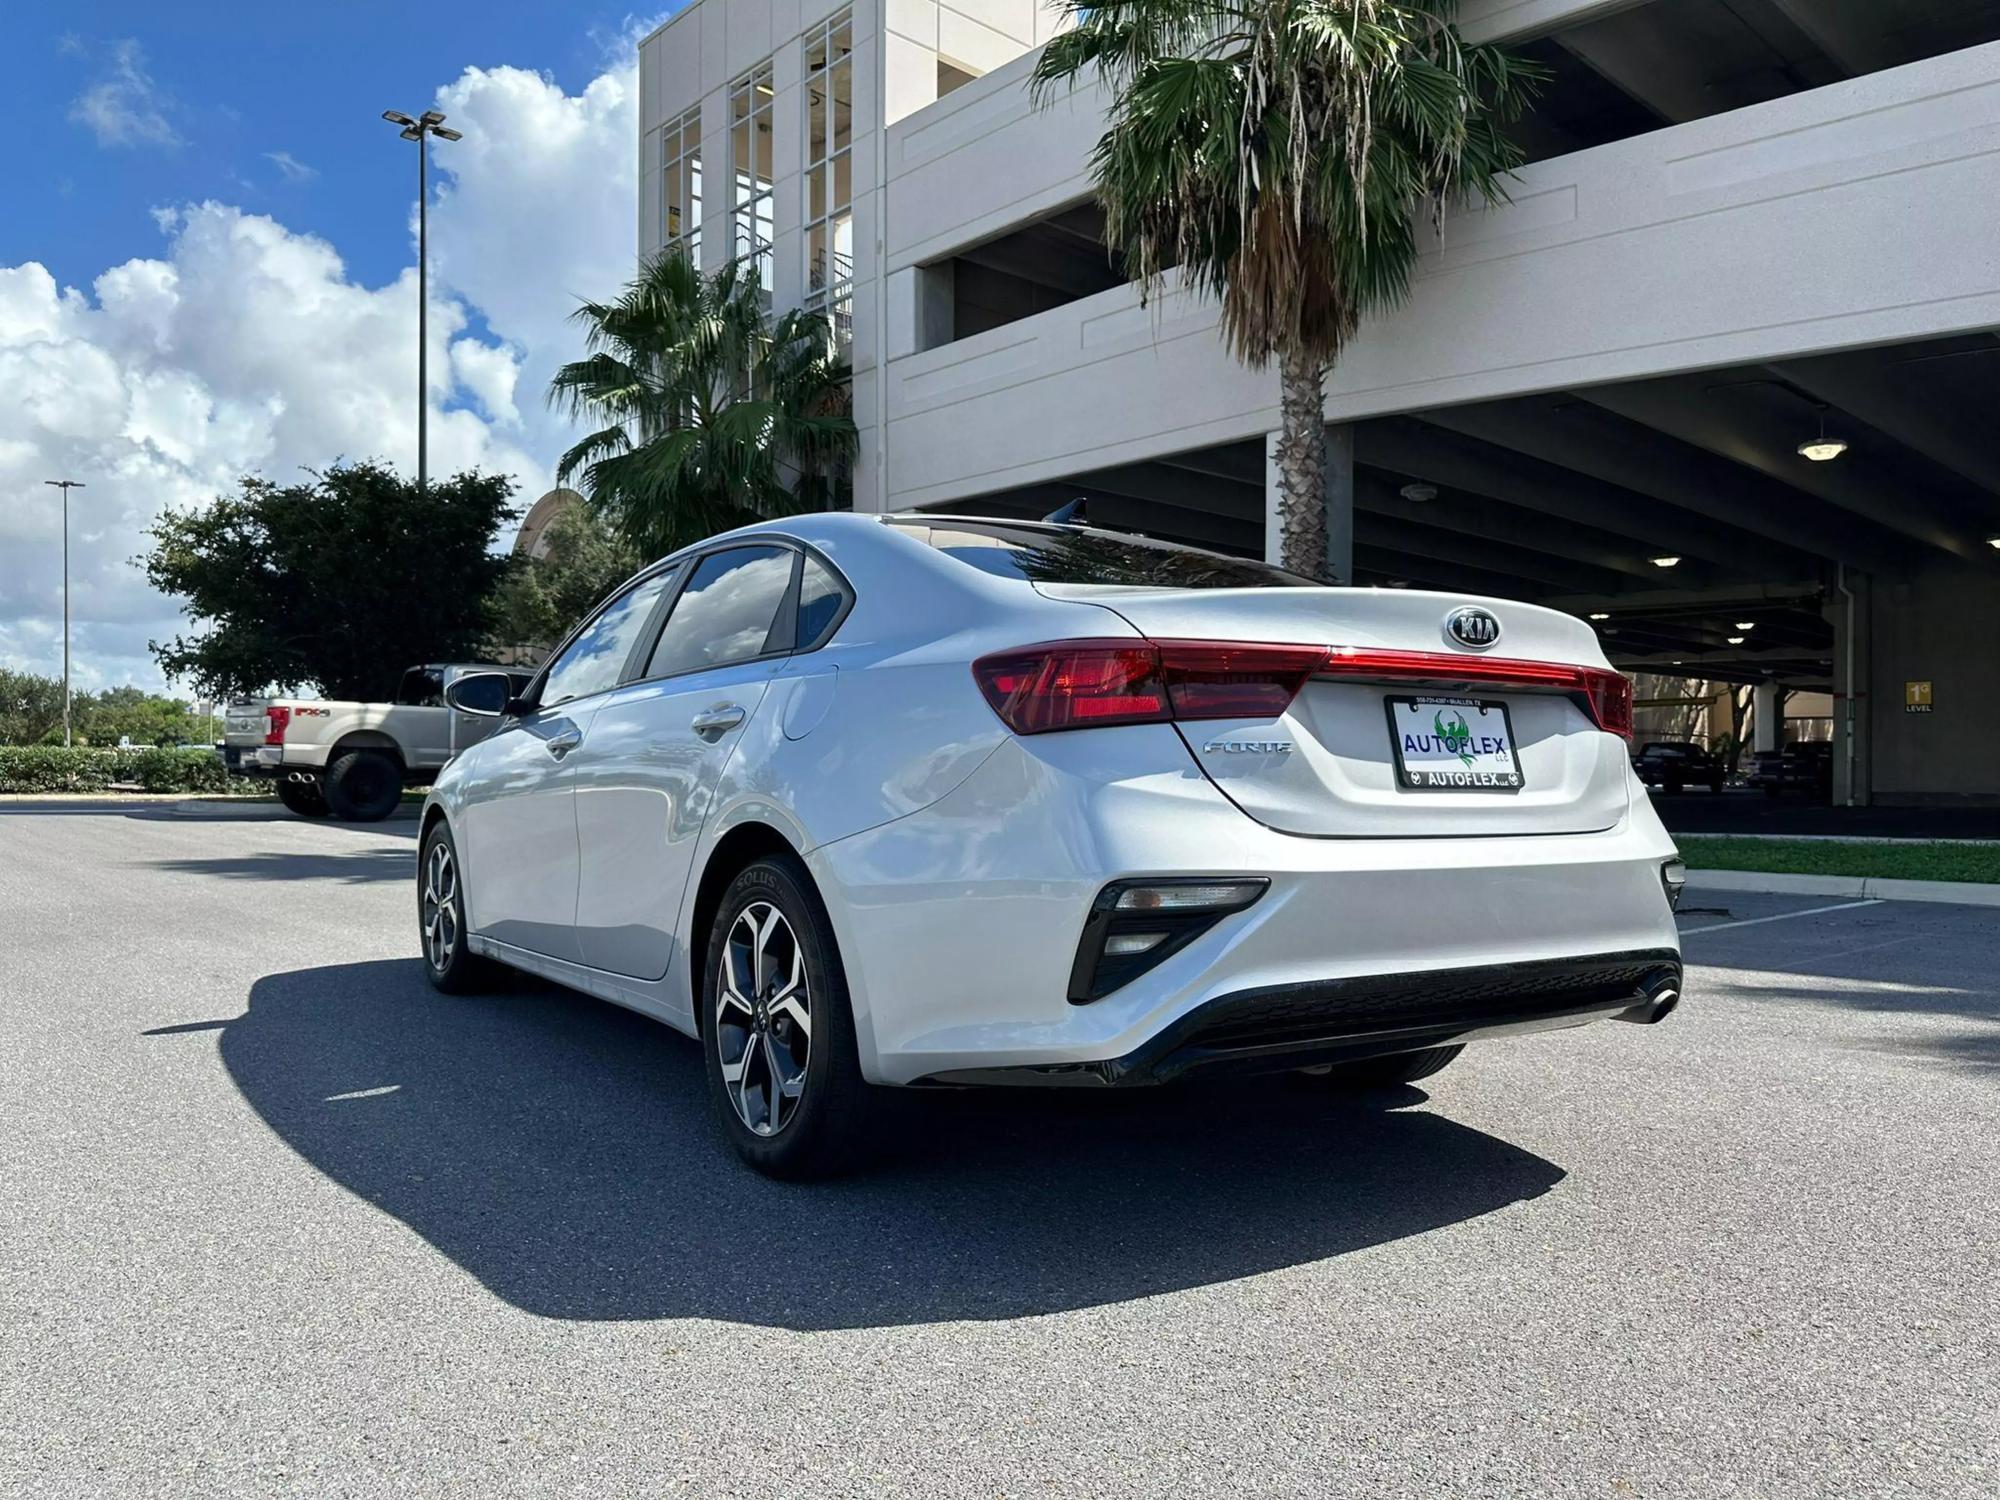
(1824, 529)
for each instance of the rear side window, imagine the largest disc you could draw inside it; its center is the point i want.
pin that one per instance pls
(820, 600)
(1067, 554)
(731, 610)
(593, 661)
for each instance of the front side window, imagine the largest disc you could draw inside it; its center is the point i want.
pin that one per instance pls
(750, 169)
(829, 172)
(728, 612)
(593, 661)
(680, 185)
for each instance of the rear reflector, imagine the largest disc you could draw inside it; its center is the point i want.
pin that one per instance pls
(276, 718)
(1096, 683)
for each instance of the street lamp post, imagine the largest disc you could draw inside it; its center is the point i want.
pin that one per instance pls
(429, 123)
(65, 485)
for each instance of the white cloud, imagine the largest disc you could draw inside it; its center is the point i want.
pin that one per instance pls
(125, 107)
(246, 347)
(290, 167)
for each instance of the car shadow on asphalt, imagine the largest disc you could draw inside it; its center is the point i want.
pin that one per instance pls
(562, 1151)
(359, 867)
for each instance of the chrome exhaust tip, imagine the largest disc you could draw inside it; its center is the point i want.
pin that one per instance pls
(1660, 998)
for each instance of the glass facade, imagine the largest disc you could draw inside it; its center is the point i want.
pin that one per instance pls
(750, 169)
(829, 171)
(680, 185)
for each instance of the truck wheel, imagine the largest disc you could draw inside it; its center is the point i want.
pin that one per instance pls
(303, 797)
(364, 786)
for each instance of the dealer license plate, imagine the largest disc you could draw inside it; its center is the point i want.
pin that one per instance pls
(1453, 745)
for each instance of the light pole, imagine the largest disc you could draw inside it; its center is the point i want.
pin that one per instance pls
(65, 485)
(429, 123)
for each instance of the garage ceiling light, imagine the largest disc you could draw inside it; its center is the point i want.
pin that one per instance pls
(1822, 449)
(1746, 624)
(1736, 640)
(1419, 494)
(1666, 562)
(1600, 617)
(1993, 541)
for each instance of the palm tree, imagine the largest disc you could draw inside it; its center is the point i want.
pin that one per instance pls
(1277, 153)
(713, 413)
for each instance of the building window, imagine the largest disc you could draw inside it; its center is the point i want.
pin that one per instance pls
(829, 172)
(680, 185)
(750, 171)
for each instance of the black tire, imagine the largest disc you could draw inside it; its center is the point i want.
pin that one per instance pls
(303, 797)
(1675, 786)
(1392, 1071)
(449, 962)
(819, 1130)
(364, 786)
(1715, 785)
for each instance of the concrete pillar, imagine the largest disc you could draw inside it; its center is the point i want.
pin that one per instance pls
(1339, 503)
(1853, 697)
(1766, 718)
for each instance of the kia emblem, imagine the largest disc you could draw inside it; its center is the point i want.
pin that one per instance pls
(1474, 628)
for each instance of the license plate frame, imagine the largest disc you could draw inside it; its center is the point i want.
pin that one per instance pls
(1437, 779)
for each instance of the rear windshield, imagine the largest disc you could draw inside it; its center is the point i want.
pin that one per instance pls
(1072, 554)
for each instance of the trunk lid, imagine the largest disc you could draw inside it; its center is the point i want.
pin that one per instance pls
(245, 721)
(1328, 767)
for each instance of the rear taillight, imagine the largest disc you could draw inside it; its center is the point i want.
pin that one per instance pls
(1235, 680)
(1610, 700)
(1094, 684)
(1604, 694)
(1073, 685)
(275, 720)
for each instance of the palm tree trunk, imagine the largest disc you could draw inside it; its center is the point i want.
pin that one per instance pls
(1302, 463)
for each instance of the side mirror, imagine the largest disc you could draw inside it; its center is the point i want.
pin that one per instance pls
(483, 694)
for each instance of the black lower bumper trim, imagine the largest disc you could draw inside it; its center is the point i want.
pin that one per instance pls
(1335, 1020)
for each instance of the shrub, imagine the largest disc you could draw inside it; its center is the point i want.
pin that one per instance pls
(51, 768)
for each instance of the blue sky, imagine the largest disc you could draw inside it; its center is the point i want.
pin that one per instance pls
(207, 264)
(238, 84)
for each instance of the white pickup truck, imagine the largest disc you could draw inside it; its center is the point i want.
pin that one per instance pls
(353, 760)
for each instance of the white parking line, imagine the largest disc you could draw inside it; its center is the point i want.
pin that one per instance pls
(1783, 916)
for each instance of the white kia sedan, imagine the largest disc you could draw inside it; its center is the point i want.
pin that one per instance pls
(863, 801)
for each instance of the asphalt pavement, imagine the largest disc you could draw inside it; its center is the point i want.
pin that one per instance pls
(275, 1218)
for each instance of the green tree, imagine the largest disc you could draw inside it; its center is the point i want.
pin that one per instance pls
(712, 414)
(338, 583)
(541, 598)
(31, 707)
(1278, 153)
(145, 718)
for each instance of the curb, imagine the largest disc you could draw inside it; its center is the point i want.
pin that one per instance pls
(1857, 887)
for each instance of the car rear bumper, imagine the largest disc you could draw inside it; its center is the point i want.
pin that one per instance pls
(959, 926)
(1342, 1020)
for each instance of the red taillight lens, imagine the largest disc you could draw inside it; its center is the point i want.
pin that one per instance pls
(276, 718)
(1093, 684)
(1610, 700)
(1074, 685)
(1235, 680)
(1087, 684)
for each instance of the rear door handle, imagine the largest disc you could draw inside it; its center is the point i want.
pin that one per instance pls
(724, 716)
(561, 744)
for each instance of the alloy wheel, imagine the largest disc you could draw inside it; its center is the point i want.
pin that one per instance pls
(440, 911)
(763, 1018)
